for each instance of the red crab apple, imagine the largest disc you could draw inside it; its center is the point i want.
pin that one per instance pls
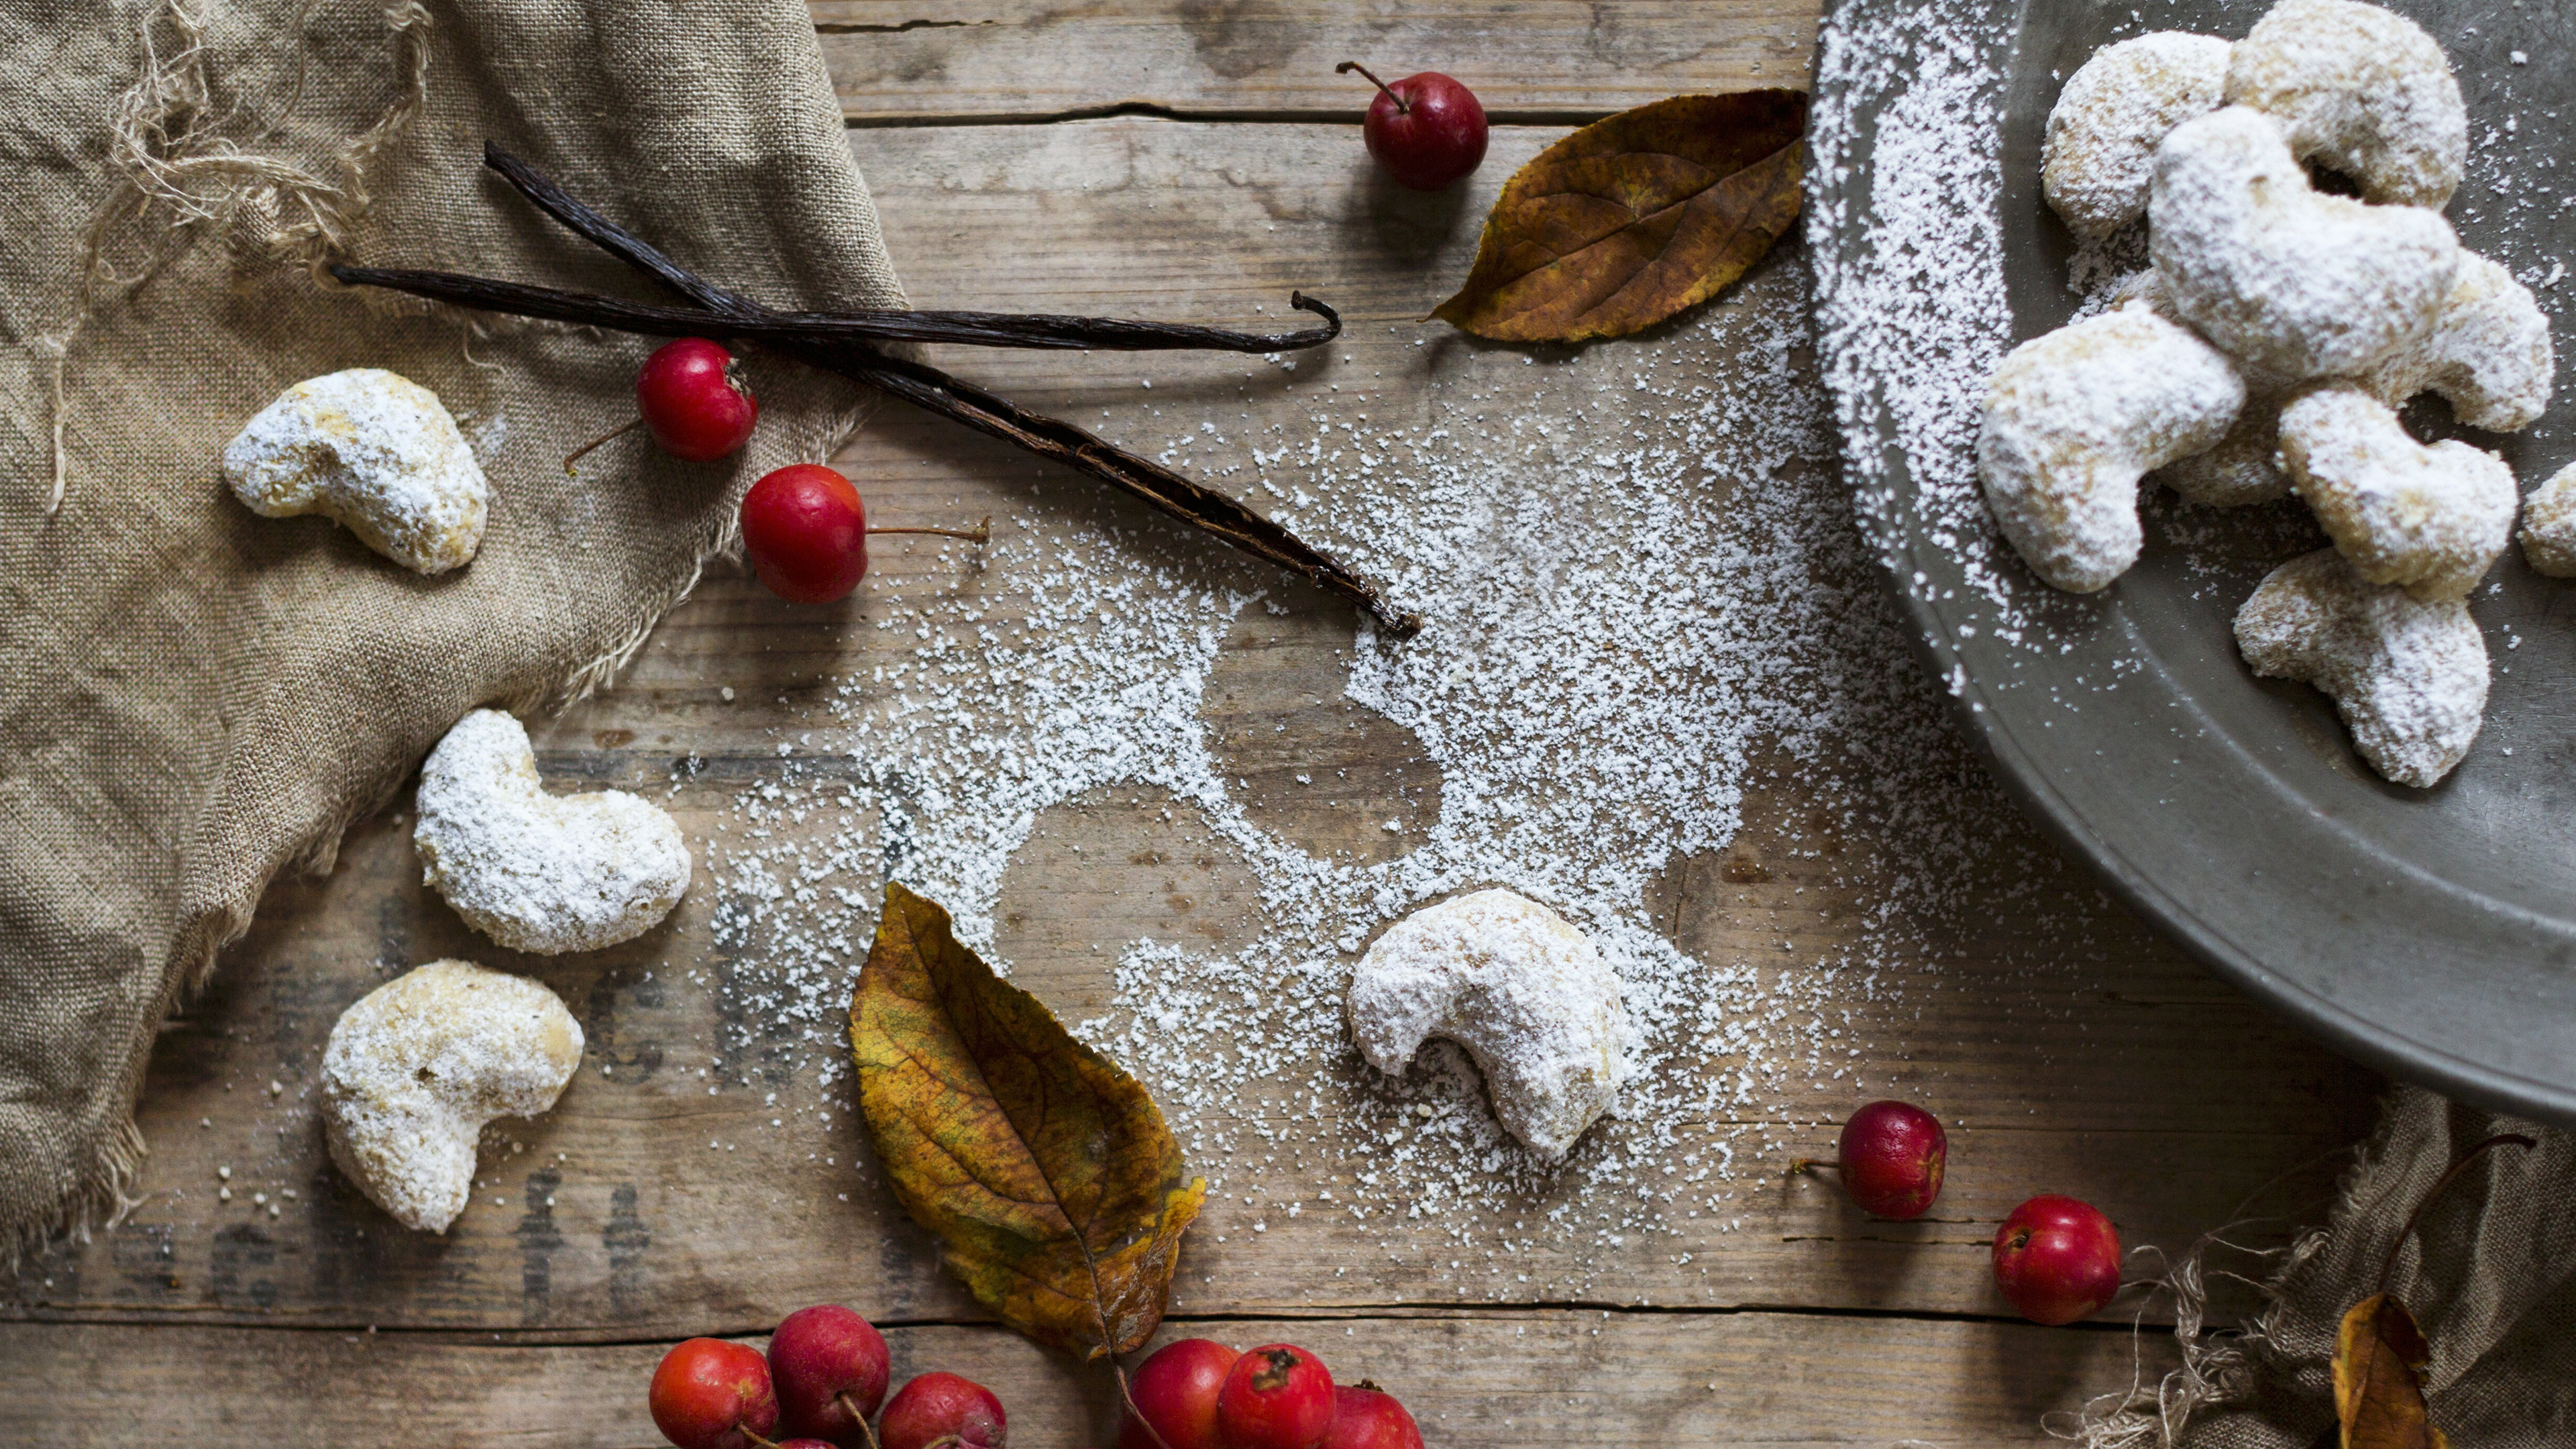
(1277, 1396)
(1427, 130)
(829, 1367)
(942, 1406)
(694, 401)
(711, 1394)
(807, 533)
(1176, 1392)
(1367, 1417)
(1891, 1155)
(2057, 1259)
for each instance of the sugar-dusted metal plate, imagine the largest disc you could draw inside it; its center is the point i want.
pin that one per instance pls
(2429, 932)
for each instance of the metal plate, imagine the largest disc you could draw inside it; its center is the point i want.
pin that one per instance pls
(2431, 933)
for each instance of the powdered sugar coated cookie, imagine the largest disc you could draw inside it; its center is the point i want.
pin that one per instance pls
(416, 1067)
(2099, 156)
(540, 872)
(373, 451)
(1517, 986)
(2362, 90)
(2409, 677)
(2284, 278)
(2488, 353)
(2549, 526)
(2429, 519)
(2075, 418)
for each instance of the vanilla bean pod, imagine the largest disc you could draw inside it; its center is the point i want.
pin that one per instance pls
(929, 388)
(974, 329)
(1027, 331)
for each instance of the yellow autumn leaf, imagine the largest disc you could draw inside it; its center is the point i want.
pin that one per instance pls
(2379, 1378)
(1047, 1172)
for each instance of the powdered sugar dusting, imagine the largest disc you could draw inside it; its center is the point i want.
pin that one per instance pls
(1918, 321)
(1639, 575)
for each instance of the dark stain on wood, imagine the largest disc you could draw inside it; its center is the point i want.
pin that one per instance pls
(625, 1239)
(538, 1243)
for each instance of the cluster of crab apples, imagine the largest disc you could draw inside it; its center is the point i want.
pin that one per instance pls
(803, 525)
(2056, 1259)
(824, 1380)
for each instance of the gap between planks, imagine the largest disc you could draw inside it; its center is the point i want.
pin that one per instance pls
(541, 1338)
(1211, 115)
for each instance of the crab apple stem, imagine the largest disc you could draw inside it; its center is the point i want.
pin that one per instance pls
(575, 455)
(852, 1406)
(1402, 106)
(756, 1441)
(980, 533)
(1811, 1165)
(1129, 1399)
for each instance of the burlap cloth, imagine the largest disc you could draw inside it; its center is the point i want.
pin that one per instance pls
(2489, 1273)
(193, 698)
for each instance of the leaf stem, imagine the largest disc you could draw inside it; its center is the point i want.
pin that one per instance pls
(2388, 1264)
(1402, 106)
(1129, 1399)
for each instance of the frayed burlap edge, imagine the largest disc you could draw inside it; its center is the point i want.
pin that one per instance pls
(172, 165)
(301, 220)
(2218, 1365)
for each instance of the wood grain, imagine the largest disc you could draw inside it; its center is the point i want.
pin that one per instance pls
(1606, 1379)
(2075, 1051)
(670, 1195)
(896, 62)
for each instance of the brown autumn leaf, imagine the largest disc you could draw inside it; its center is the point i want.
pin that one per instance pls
(1634, 218)
(2379, 1378)
(1045, 1170)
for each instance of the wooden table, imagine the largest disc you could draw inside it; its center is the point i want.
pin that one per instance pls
(1182, 159)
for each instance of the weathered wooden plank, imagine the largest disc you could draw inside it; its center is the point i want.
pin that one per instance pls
(2078, 1052)
(1543, 1378)
(700, 1174)
(898, 62)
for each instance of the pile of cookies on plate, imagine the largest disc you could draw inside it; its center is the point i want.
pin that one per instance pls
(2267, 349)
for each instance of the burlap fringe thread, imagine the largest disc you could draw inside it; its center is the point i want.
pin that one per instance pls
(177, 171)
(2221, 1368)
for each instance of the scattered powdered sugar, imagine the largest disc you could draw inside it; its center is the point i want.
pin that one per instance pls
(1640, 576)
(1912, 324)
